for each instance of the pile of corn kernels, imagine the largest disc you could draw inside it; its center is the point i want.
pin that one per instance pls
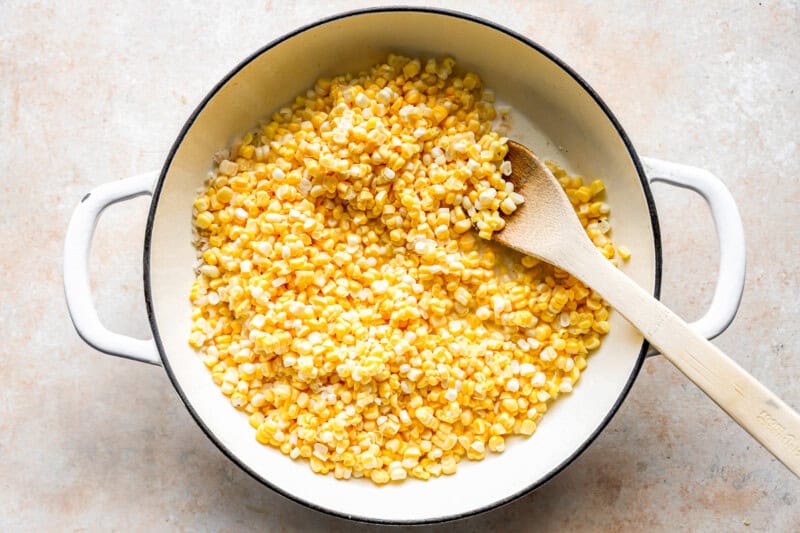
(343, 299)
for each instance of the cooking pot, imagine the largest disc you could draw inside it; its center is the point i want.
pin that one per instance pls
(555, 112)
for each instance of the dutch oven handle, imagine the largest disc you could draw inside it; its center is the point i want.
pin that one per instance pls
(730, 235)
(76, 270)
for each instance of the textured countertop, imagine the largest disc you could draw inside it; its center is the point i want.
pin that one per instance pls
(96, 93)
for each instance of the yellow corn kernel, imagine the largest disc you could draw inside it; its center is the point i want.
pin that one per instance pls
(256, 419)
(201, 203)
(527, 427)
(439, 113)
(601, 327)
(411, 68)
(448, 465)
(247, 151)
(204, 220)
(224, 195)
(496, 444)
(379, 476)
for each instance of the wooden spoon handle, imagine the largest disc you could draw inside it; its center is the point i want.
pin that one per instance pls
(757, 409)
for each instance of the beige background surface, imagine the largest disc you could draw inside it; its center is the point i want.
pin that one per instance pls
(96, 93)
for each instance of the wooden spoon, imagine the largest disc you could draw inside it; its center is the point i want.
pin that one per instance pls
(546, 227)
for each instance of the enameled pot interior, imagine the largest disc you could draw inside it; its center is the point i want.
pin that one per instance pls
(553, 114)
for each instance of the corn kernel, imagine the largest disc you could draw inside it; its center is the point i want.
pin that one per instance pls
(496, 444)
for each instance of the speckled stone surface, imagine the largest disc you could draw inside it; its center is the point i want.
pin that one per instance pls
(96, 91)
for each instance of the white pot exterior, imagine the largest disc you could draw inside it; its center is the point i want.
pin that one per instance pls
(554, 113)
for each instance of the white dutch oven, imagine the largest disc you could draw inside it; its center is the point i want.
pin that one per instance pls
(553, 108)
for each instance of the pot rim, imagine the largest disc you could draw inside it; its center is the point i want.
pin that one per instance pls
(399, 9)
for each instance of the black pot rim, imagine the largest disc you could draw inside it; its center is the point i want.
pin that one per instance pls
(190, 121)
